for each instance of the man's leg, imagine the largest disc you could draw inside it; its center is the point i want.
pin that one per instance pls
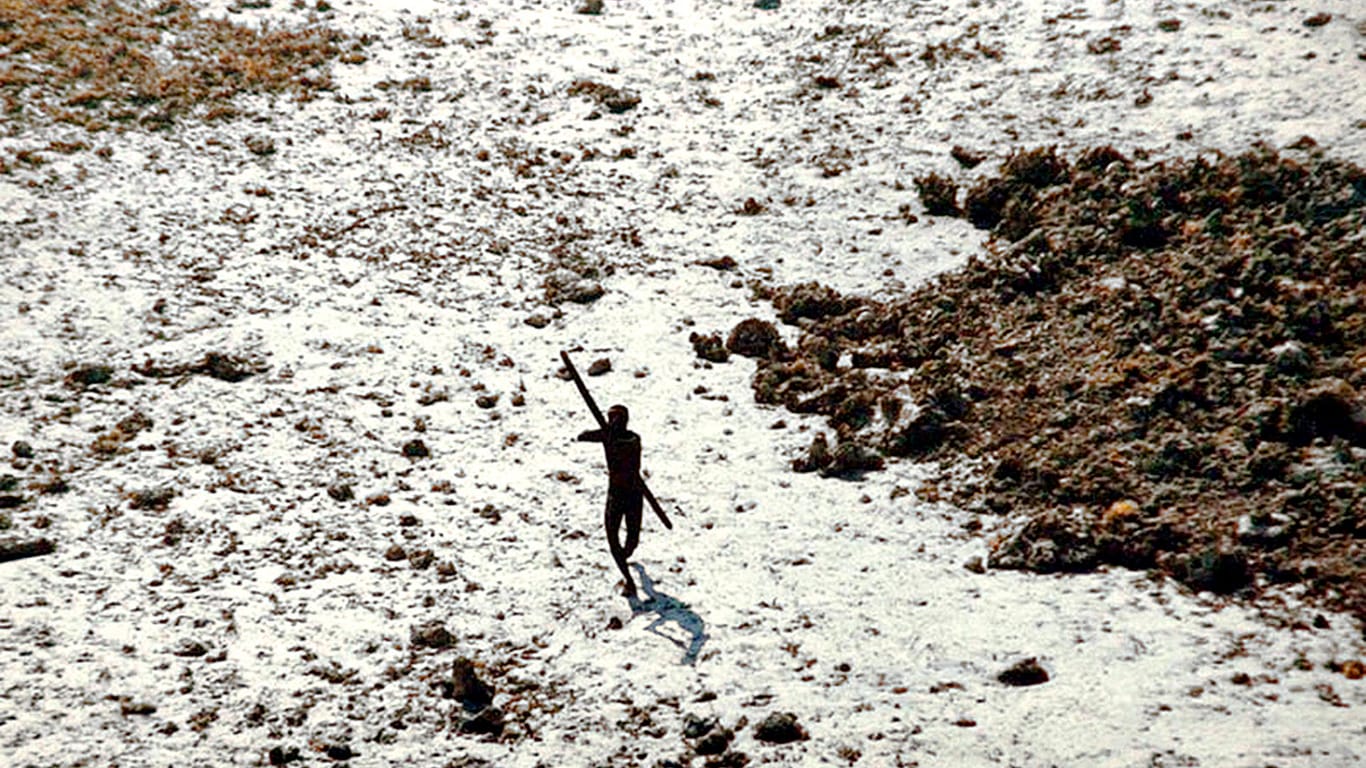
(613, 523)
(633, 515)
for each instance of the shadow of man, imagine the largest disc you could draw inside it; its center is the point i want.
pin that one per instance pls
(669, 609)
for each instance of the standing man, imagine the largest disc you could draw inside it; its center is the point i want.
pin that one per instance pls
(625, 491)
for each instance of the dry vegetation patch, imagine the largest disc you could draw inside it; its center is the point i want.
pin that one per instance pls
(1159, 366)
(102, 63)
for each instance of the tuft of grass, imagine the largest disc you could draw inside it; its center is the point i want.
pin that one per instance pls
(106, 63)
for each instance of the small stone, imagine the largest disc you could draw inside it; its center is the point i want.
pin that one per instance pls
(416, 449)
(1169, 25)
(590, 8)
(614, 623)
(341, 492)
(780, 728)
(21, 450)
(488, 721)
(89, 375)
(260, 144)
(1024, 672)
(466, 687)
(190, 649)
(599, 367)
(767, 5)
(340, 752)
(537, 321)
(714, 742)
(696, 727)
(395, 553)
(755, 338)
(966, 157)
(709, 347)
(486, 401)
(421, 559)
(975, 565)
(1318, 20)
(432, 634)
(283, 755)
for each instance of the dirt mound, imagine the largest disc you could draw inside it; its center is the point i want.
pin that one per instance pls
(1160, 366)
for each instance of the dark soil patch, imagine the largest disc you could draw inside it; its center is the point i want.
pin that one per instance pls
(1159, 366)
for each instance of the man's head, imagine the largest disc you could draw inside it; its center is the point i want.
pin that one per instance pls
(617, 416)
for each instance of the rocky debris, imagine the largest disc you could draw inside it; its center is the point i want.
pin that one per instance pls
(18, 549)
(780, 728)
(564, 285)
(416, 449)
(89, 375)
(537, 320)
(152, 498)
(431, 634)
(709, 347)
(190, 649)
(590, 8)
(466, 687)
(486, 401)
(489, 721)
(340, 752)
(768, 5)
(756, 338)
(1318, 20)
(614, 100)
(848, 459)
(1024, 672)
(966, 157)
(714, 742)
(217, 365)
(21, 450)
(1184, 337)
(719, 263)
(695, 727)
(599, 367)
(341, 492)
(939, 194)
(10, 501)
(259, 144)
(283, 755)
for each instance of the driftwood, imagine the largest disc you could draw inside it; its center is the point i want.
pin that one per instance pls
(16, 549)
(602, 424)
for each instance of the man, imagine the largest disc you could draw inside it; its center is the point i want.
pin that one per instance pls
(625, 491)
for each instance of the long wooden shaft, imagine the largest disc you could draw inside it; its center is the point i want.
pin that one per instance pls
(602, 424)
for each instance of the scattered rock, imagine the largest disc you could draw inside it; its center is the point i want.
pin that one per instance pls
(599, 367)
(152, 498)
(780, 728)
(1318, 20)
(756, 338)
(260, 144)
(21, 450)
(1169, 25)
(975, 564)
(340, 752)
(714, 741)
(1215, 568)
(466, 687)
(488, 721)
(939, 194)
(16, 549)
(1024, 672)
(283, 755)
(709, 347)
(966, 157)
(421, 559)
(10, 501)
(590, 8)
(431, 634)
(695, 727)
(537, 320)
(341, 492)
(486, 401)
(190, 649)
(768, 5)
(89, 376)
(720, 263)
(416, 449)
(564, 285)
